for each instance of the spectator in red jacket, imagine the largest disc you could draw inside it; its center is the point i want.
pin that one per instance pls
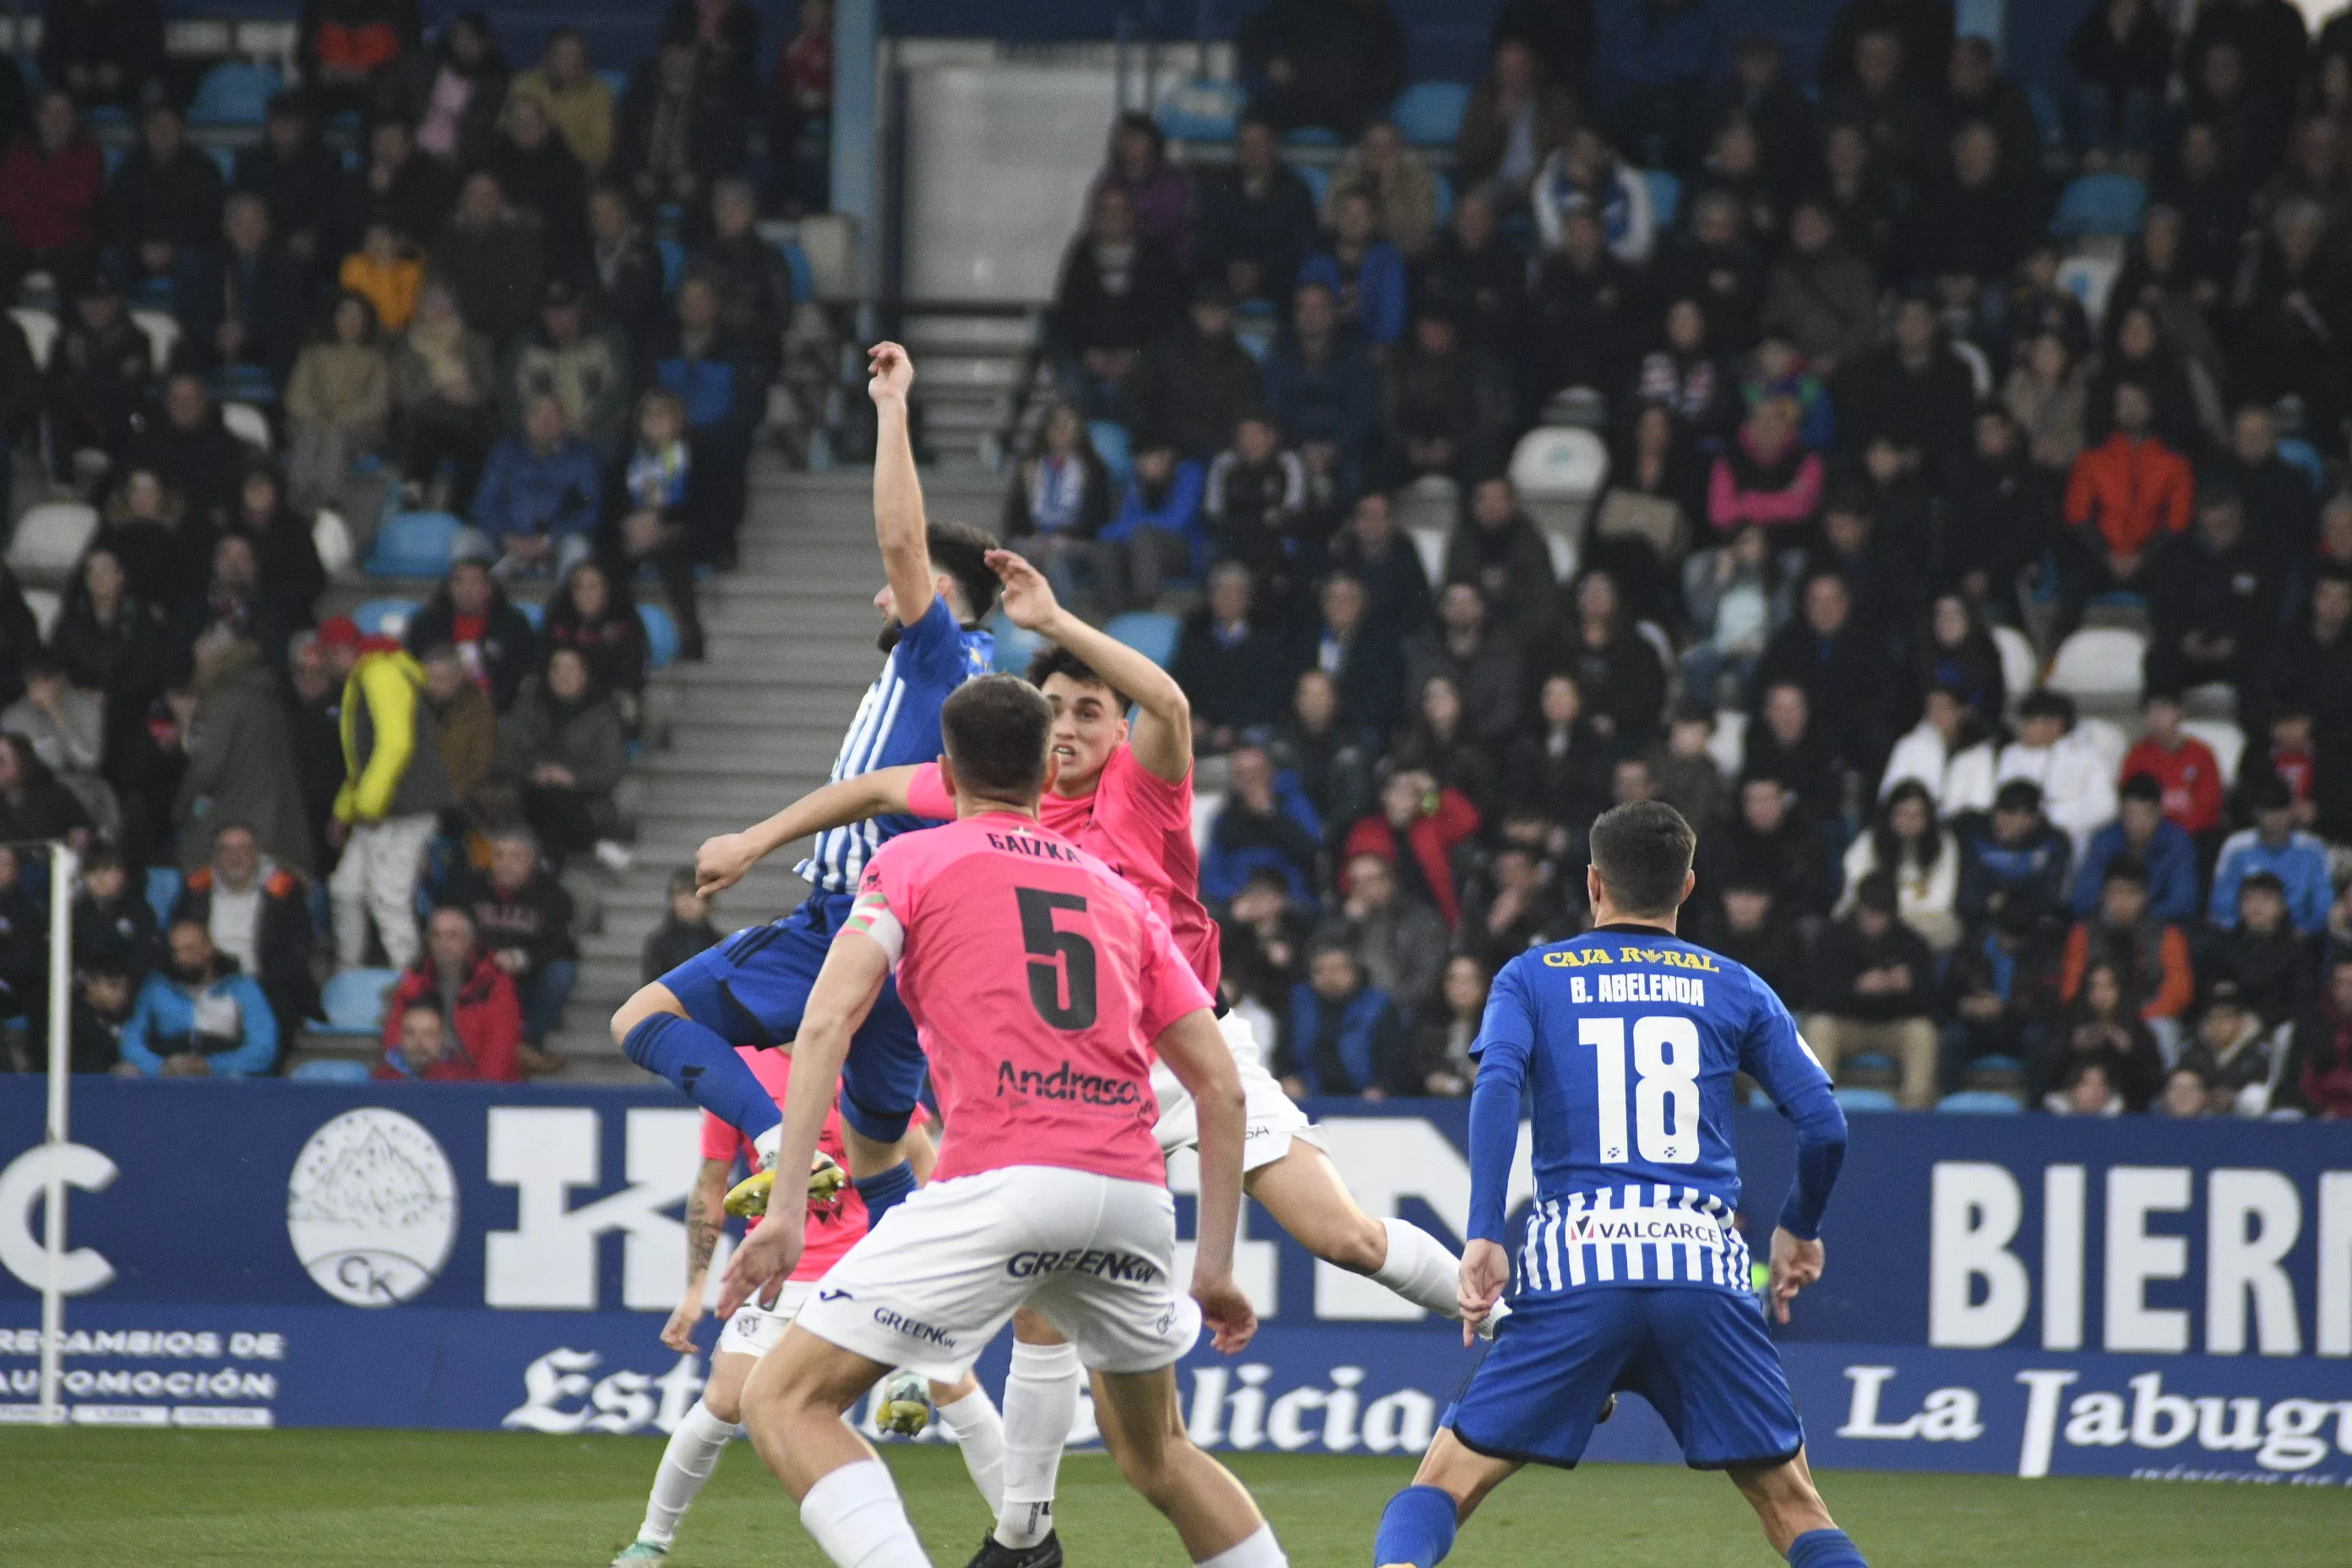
(479, 1016)
(1418, 816)
(2322, 1068)
(2127, 495)
(2183, 764)
(51, 181)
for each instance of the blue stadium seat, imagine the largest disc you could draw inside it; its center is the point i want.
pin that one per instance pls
(1316, 178)
(673, 260)
(1979, 1102)
(535, 614)
(1430, 114)
(804, 274)
(235, 93)
(1870, 1061)
(1014, 647)
(383, 617)
(164, 885)
(224, 159)
(1997, 1064)
(1201, 111)
(1313, 136)
(331, 1072)
(2100, 203)
(1147, 632)
(1444, 196)
(1665, 197)
(353, 1001)
(413, 544)
(2045, 117)
(661, 636)
(2301, 455)
(1113, 446)
(1866, 1099)
(618, 81)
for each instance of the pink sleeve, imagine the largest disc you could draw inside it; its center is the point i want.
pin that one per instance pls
(1170, 988)
(927, 797)
(1168, 803)
(1722, 497)
(719, 1140)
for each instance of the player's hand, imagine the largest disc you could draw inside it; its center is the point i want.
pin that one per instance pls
(1795, 1265)
(1029, 600)
(679, 1333)
(761, 1265)
(893, 373)
(1485, 1274)
(722, 862)
(1231, 1320)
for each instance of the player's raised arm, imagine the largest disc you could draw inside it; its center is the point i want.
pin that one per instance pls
(1777, 1057)
(723, 860)
(899, 522)
(1506, 1041)
(1162, 736)
(1197, 1054)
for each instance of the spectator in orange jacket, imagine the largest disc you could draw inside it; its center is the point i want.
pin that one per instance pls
(2128, 494)
(479, 1017)
(1417, 816)
(2151, 954)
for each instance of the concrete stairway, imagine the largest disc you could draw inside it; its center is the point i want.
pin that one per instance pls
(792, 648)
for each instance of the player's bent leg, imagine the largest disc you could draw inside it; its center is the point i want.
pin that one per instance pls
(1418, 1526)
(848, 1504)
(1794, 1519)
(654, 1031)
(1304, 1193)
(1041, 1405)
(1143, 1428)
(692, 1454)
(979, 1431)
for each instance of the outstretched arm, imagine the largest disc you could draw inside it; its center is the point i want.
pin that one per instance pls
(722, 861)
(899, 525)
(1162, 737)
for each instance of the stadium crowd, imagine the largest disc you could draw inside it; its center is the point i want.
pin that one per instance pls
(1860, 432)
(535, 302)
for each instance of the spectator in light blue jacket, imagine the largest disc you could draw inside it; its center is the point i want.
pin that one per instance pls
(2163, 846)
(1346, 1035)
(2299, 861)
(536, 507)
(1158, 525)
(199, 1016)
(1364, 272)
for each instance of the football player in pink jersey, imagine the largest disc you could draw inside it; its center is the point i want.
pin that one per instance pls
(1124, 792)
(835, 1226)
(1043, 987)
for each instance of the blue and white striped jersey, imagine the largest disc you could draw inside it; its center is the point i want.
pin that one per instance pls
(1628, 1041)
(897, 724)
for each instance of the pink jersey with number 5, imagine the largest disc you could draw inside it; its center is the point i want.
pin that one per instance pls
(1037, 980)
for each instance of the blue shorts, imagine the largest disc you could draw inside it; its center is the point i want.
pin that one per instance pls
(1700, 1356)
(753, 988)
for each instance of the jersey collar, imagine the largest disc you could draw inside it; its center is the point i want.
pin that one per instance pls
(1634, 928)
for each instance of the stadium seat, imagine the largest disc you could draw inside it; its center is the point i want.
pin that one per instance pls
(2229, 744)
(1980, 367)
(383, 617)
(1147, 632)
(1864, 1100)
(353, 1001)
(2045, 117)
(413, 544)
(331, 536)
(49, 539)
(1430, 114)
(235, 93)
(1665, 197)
(1112, 445)
(2090, 279)
(673, 263)
(163, 331)
(1558, 472)
(40, 329)
(1206, 804)
(802, 272)
(2099, 662)
(1014, 647)
(661, 636)
(2100, 203)
(2018, 664)
(616, 79)
(247, 423)
(164, 885)
(1313, 136)
(1201, 110)
(532, 611)
(2301, 455)
(1317, 178)
(46, 605)
(2107, 737)
(1585, 407)
(1979, 1102)
(1444, 182)
(1729, 745)
(330, 1071)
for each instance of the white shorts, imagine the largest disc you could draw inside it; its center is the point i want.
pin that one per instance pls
(754, 1330)
(1272, 1120)
(930, 1286)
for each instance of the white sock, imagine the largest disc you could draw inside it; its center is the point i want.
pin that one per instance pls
(768, 1146)
(980, 1433)
(1421, 1269)
(693, 1453)
(1041, 1405)
(1258, 1551)
(855, 1514)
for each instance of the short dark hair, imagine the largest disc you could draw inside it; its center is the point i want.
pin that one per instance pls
(2047, 704)
(996, 730)
(1876, 892)
(1054, 660)
(2125, 869)
(2269, 793)
(2018, 794)
(2143, 786)
(962, 551)
(1642, 851)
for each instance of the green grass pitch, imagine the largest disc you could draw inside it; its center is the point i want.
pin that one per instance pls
(450, 1499)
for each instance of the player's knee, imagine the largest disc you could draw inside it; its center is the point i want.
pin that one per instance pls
(1152, 1466)
(646, 1003)
(1359, 1247)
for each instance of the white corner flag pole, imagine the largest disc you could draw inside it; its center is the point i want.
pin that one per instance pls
(64, 865)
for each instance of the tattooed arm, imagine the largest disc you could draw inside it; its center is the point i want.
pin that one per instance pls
(706, 1219)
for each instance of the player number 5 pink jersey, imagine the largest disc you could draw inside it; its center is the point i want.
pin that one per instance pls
(1037, 980)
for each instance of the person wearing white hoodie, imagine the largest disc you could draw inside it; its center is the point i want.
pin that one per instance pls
(2078, 782)
(1949, 753)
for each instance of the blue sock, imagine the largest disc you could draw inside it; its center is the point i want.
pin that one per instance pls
(1417, 1528)
(886, 1192)
(706, 1067)
(1824, 1548)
